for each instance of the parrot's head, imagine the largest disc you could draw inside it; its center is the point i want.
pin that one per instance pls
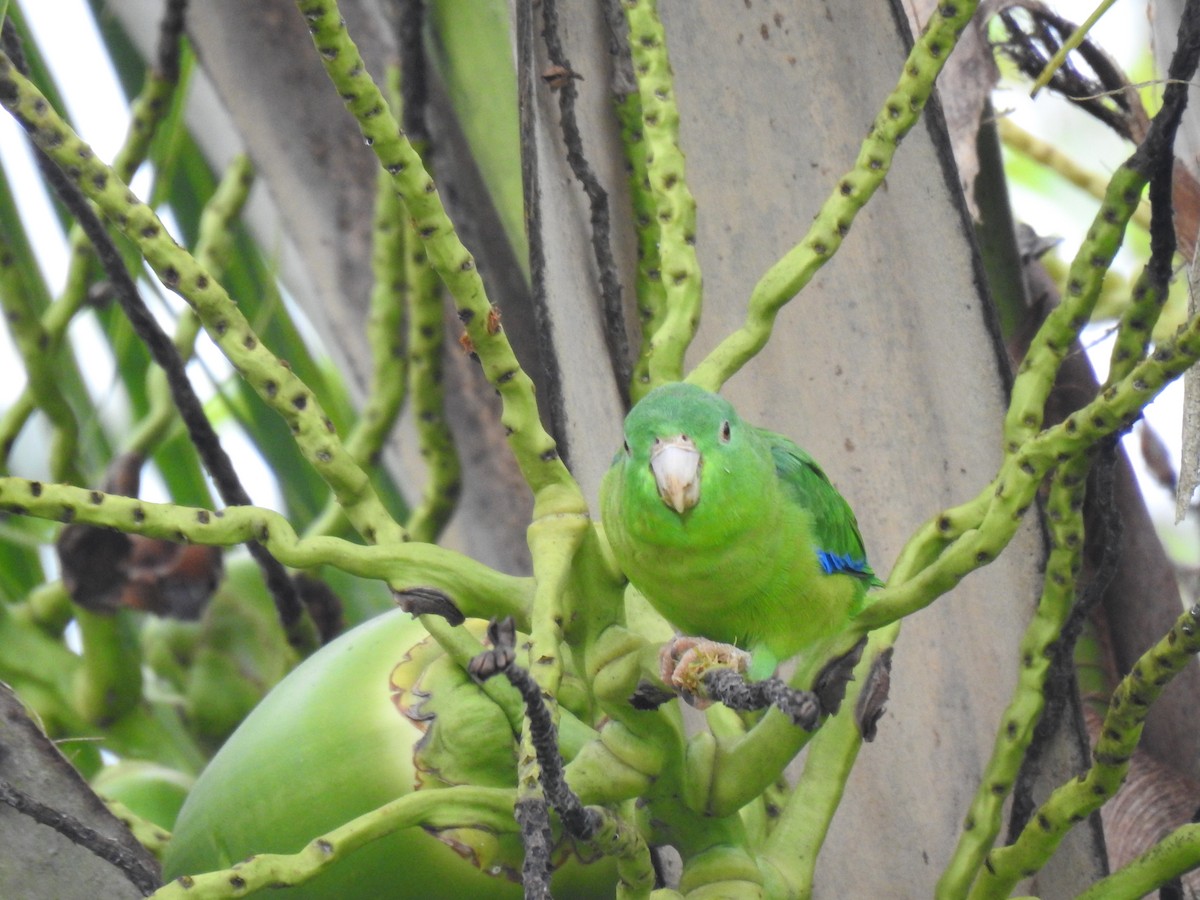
(687, 454)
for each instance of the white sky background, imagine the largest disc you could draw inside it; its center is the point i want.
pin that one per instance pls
(97, 107)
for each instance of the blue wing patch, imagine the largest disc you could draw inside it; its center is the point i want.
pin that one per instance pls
(840, 563)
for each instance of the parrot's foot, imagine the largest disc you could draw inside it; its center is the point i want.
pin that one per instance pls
(422, 601)
(830, 686)
(870, 706)
(804, 708)
(685, 661)
(650, 696)
(730, 688)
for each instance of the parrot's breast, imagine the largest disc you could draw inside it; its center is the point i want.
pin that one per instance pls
(748, 580)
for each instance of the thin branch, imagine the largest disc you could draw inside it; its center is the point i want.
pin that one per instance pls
(562, 79)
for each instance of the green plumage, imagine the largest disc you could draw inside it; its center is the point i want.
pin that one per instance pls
(766, 555)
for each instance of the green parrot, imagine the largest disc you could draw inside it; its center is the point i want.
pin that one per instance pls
(732, 532)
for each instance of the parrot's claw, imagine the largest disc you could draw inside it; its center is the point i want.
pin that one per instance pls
(871, 700)
(684, 661)
(730, 688)
(420, 601)
(830, 686)
(649, 696)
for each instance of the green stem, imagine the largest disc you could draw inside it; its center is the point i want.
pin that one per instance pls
(648, 283)
(1058, 333)
(109, 684)
(789, 858)
(476, 589)
(41, 365)
(1020, 141)
(1065, 524)
(385, 336)
(212, 252)
(1074, 801)
(1175, 855)
(532, 446)
(278, 386)
(436, 441)
(452, 807)
(787, 277)
(1074, 40)
(674, 207)
(148, 111)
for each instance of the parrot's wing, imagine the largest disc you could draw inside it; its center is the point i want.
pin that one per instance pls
(835, 530)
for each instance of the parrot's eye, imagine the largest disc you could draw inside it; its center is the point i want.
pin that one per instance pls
(725, 432)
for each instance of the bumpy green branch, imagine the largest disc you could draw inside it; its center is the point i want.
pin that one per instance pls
(1075, 801)
(279, 387)
(1137, 325)
(792, 849)
(1017, 139)
(385, 335)
(42, 385)
(1058, 333)
(212, 252)
(674, 207)
(425, 345)
(385, 326)
(983, 821)
(476, 589)
(788, 276)
(453, 807)
(533, 448)
(648, 283)
(148, 111)
(1006, 499)
(1175, 855)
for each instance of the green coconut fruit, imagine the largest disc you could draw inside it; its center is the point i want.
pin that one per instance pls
(372, 716)
(154, 792)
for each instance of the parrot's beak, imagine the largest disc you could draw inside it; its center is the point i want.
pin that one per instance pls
(675, 463)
